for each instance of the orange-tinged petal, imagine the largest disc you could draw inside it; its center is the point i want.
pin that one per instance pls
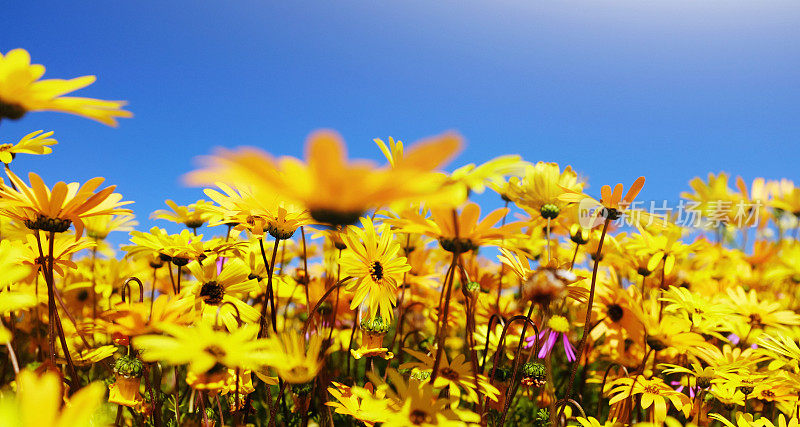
(40, 191)
(605, 194)
(57, 198)
(432, 153)
(616, 196)
(468, 219)
(636, 187)
(742, 186)
(325, 152)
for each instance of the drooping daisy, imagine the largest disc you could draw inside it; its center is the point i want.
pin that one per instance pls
(557, 327)
(33, 143)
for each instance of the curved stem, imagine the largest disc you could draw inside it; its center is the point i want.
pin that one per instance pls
(321, 300)
(493, 317)
(501, 345)
(563, 403)
(127, 287)
(603, 386)
(13, 356)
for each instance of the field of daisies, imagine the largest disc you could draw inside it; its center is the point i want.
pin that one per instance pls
(333, 291)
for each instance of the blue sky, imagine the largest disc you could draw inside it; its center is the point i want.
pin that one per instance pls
(666, 89)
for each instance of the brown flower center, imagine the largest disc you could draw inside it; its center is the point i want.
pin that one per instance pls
(11, 111)
(418, 417)
(449, 374)
(651, 389)
(376, 271)
(615, 312)
(328, 216)
(212, 293)
(215, 351)
(44, 223)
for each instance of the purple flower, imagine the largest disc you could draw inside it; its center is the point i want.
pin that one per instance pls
(220, 264)
(679, 389)
(550, 342)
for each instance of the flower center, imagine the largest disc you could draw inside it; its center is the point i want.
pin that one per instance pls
(559, 324)
(327, 216)
(5, 147)
(45, 223)
(194, 222)
(615, 312)
(457, 245)
(651, 389)
(417, 417)
(449, 374)
(212, 293)
(376, 271)
(755, 320)
(215, 351)
(11, 111)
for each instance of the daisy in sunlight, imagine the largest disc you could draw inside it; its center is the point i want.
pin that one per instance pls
(22, 91)
(40, 208)
(458, 232)
(216, 286)
(335, 190)
(38, 142)
(373, 260)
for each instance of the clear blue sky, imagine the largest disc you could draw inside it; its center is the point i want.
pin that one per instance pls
(667, 89)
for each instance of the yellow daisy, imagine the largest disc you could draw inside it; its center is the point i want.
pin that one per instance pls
(22, 91)
(373, 261)
(33, 143)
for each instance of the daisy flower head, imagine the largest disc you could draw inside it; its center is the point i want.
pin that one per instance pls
(38, 142)
(334, 189)
(41, 208)
(373, 260)
(21, 91)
